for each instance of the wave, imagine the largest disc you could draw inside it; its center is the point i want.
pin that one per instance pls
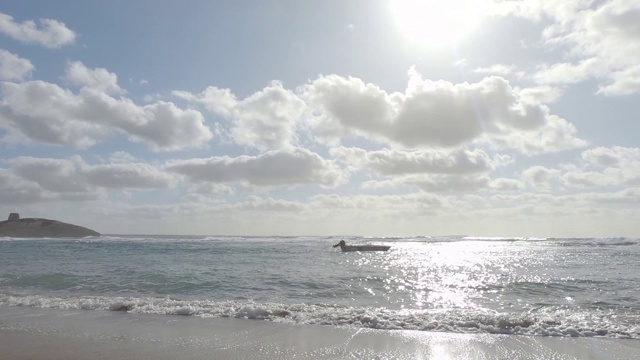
(491, 238)
(615, 241)
(586, 241)
(558, 321)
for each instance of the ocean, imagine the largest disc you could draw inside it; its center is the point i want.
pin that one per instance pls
(552, 287)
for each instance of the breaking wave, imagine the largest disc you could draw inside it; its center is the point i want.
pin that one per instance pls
(555, 321)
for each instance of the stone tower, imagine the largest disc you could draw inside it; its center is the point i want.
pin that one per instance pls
(14, 217)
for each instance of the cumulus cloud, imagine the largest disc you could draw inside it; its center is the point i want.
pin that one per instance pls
(434, 183)
(437, 114)
(601, 37)
(497, 69)
(121, 157)
(614, 166)
(400, 162)
(599, 167)
(625, 82)
(128, 176)
(220, 101)
(47, 113)
(557, 135)
(540, 177)
(99, 79)
(440, 183)
(256, 203)
(265, 120)
(57, 175)
(381, 205)
(43, 112)
(629, 196)
(30, 180)
(570, 73)
(13, 67)
(15, 190)
(256, 215)
(544, 94)
(211, 189)
(50, 34)
(584, 179)
(73, 175)
(616, 156)
(287, 167)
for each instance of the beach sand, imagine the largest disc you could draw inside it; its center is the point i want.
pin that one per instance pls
(29, 333)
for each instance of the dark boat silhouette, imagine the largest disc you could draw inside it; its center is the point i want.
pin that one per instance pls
(344, 247)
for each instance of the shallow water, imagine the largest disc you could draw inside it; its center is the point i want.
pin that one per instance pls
(553, 287)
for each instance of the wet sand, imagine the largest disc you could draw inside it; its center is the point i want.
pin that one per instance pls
(29, 333)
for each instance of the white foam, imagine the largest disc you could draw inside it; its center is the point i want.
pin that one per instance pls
(560, 322)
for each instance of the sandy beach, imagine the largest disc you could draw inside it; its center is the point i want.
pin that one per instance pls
(29, 333)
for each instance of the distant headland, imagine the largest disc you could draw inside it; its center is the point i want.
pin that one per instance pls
(34, 227)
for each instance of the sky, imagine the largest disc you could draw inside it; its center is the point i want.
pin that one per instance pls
(372, 118)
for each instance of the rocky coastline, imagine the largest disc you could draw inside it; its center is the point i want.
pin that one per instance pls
(41, 228)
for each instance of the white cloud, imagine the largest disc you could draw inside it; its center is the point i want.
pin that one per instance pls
(48, 113)
(41, 111)
(349, 106)
(289, 167)
(540, 177)
(544, 94)
(220, 101)
(615, 166)
(437, 114)
(75, 176)
(13, 67)
(603, 38)
(128, 176)
(461, 63)
(629, 196)
(36, 180)
(99, 79)
(121, 157)
(504, 184)
(441, 183)
(447, 182)
(15, 190)
(497, 69)
(256, 203)
(569, 73)
(600, 167)
(380, 207)
(557, 135)
(56, 175)
(616, 156)
(51, 34)
(584, 179)
(400, 162)
(211, 189)
(265, 120)
(419, 213)
(625, 82)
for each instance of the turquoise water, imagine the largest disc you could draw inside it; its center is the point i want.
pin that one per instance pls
(552, 287)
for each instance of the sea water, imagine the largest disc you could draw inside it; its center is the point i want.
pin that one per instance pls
(551, 287)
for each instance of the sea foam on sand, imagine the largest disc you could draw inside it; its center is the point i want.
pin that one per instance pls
(31, 333)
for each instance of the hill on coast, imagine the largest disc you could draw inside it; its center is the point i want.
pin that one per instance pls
(36, 227)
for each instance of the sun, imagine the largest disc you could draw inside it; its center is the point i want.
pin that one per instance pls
(437, 23)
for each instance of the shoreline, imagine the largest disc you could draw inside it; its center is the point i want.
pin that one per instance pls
(34, 333)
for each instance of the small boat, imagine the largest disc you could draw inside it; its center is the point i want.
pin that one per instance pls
(344, 247)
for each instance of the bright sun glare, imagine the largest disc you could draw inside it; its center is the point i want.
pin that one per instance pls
(436, 23)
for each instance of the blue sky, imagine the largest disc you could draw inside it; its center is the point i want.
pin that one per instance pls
(378, 118)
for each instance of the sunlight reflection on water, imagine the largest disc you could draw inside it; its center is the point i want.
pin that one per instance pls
(479, 275)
